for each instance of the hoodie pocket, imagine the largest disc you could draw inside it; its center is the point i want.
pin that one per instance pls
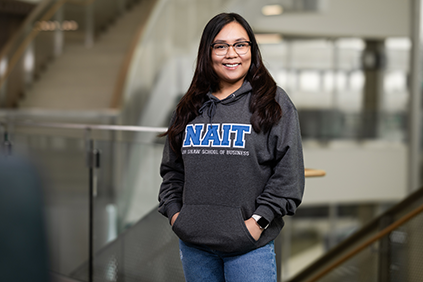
(221, 228)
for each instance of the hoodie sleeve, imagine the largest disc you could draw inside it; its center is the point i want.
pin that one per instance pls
(172, 172)
(284, 190)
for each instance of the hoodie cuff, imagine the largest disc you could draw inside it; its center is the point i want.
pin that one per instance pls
(172, 209)
(265, 212)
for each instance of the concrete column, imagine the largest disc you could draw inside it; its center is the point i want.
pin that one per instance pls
(28, 65)
(89, 25)
(58, 33)
(414, 107)
(373, 62)
(335, 70)
(288, 66)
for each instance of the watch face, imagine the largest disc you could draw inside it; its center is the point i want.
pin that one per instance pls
(263, 223)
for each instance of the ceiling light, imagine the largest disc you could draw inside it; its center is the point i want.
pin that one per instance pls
(272, 10)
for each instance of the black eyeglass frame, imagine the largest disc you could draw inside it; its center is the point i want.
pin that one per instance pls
(230, 45)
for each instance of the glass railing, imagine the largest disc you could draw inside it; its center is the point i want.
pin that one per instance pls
(98, 182)
(385, 249)
(101, 184)
(327, 124)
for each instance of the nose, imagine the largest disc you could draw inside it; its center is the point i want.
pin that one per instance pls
(231, 52)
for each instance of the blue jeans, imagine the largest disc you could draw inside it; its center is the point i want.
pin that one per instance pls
(200, 264)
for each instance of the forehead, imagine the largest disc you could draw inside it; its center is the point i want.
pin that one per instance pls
(231, 32)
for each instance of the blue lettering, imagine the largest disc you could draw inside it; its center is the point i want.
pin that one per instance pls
(226, 134)
(192, 137)
(240, 131)
(212, 135)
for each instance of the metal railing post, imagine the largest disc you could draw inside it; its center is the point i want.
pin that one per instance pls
(93, 162)
(384, 258)
(6, 145)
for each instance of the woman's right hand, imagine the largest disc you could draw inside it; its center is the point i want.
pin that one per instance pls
(174, 217)
(253, 228)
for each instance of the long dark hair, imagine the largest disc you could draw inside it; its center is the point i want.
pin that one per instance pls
(265, 110)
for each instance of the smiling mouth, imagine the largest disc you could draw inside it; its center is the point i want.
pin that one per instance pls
(231, 65)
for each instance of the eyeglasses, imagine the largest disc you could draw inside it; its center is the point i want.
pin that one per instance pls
(221, 49)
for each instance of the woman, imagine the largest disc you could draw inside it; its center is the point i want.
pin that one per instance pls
(232, 164)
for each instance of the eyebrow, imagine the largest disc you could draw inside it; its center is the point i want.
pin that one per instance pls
(236, 40)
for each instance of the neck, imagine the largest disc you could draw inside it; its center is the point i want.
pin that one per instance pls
(227, 89)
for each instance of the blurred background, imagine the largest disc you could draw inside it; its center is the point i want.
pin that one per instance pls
(87, 85)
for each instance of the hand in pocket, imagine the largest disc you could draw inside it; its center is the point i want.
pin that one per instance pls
(174, 217)
(253, 228)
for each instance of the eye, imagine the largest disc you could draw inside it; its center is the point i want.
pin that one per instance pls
(220, 46)
(241, 45)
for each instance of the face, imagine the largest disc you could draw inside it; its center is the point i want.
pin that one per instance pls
(232, 67)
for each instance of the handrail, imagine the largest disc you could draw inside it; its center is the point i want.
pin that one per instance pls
(355, 237)
(367, 243)
(33, 33)
(94, 126)
(308, 172)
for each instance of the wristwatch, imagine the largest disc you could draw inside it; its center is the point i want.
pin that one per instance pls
(261, 221)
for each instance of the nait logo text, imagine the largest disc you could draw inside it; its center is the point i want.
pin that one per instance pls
(225, 135)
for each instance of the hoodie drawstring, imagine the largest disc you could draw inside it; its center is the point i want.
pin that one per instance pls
(212, 104)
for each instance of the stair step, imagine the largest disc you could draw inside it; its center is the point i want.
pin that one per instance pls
(84, 78)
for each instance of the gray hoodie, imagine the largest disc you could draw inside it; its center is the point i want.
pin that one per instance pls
(228, 172)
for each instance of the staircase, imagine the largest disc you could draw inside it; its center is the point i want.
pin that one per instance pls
(84, 78)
